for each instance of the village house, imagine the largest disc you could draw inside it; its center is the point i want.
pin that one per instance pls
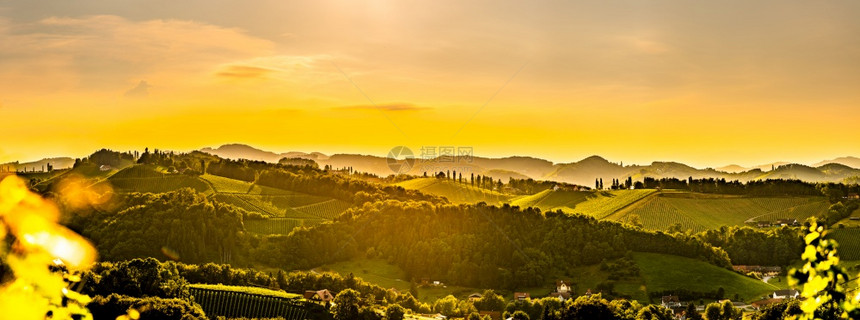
(670, 302)
(104, 167)
(521, 296)
(785, 294)
(562, 290)
(853, 196)
(322, 297)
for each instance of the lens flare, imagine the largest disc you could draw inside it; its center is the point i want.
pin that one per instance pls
(40, 242)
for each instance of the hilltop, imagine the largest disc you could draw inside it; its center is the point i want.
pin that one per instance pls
(582, 172)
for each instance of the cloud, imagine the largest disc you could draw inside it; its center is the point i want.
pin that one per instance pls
(139, 91)
(244, 72)
(99, 54)
(386, 107)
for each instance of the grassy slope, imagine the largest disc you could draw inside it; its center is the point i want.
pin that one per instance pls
(455, 192)
(848, 223)
(659, 272)
(665, 272)
(703, 211)
(598, 204)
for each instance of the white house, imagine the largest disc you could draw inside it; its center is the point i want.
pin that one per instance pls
(785, 294)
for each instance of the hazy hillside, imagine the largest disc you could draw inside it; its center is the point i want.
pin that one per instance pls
(852, 162)
(58, 163)
(582, 172)
(241, 151)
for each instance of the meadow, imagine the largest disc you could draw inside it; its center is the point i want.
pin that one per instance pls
(286, 210)
(700, 211)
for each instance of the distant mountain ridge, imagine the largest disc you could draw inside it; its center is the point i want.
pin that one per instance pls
(241, 151)
(38, 165)
(583, 172)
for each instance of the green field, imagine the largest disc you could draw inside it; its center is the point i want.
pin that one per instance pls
(380, 272)
(704, 211)
(848, 223)
(454, 191)
(658, 272)
(661, 272)
(598, 204)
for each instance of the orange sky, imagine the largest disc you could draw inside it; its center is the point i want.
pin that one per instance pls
(703, 83)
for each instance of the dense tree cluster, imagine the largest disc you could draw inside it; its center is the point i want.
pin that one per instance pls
(299, 162)
(771, 187)
(114, 305)
(338, 186)
(473, 245)
(181, 225)
(748, 246)
(238, 170)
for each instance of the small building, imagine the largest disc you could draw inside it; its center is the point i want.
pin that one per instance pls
(853, 196)
(788, 222)
(563, 286)
(323, 297)
(521, 296)
(763, 224)
(670, 302)
(475, 297)
(104, 167)
(785, 294)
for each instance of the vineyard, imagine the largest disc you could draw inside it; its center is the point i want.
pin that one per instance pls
(166, 183)
(598, 204)
(325, 210)
(709, 211)
(454, 191)
(849, 242)
(222, 184)
(278, 225)
(248, 302)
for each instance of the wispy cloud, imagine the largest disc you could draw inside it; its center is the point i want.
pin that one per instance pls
(386, 107)
(139, 91)
(244, 72)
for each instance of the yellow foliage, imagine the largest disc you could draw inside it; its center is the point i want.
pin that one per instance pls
(41, 242)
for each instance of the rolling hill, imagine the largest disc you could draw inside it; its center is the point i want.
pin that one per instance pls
(598, 204)
(281, 210)
(454, 191)
(656, 275)
(582, 172)
(706, 211)
(852, 162)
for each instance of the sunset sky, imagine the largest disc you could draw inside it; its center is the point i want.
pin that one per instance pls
(707, 83)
